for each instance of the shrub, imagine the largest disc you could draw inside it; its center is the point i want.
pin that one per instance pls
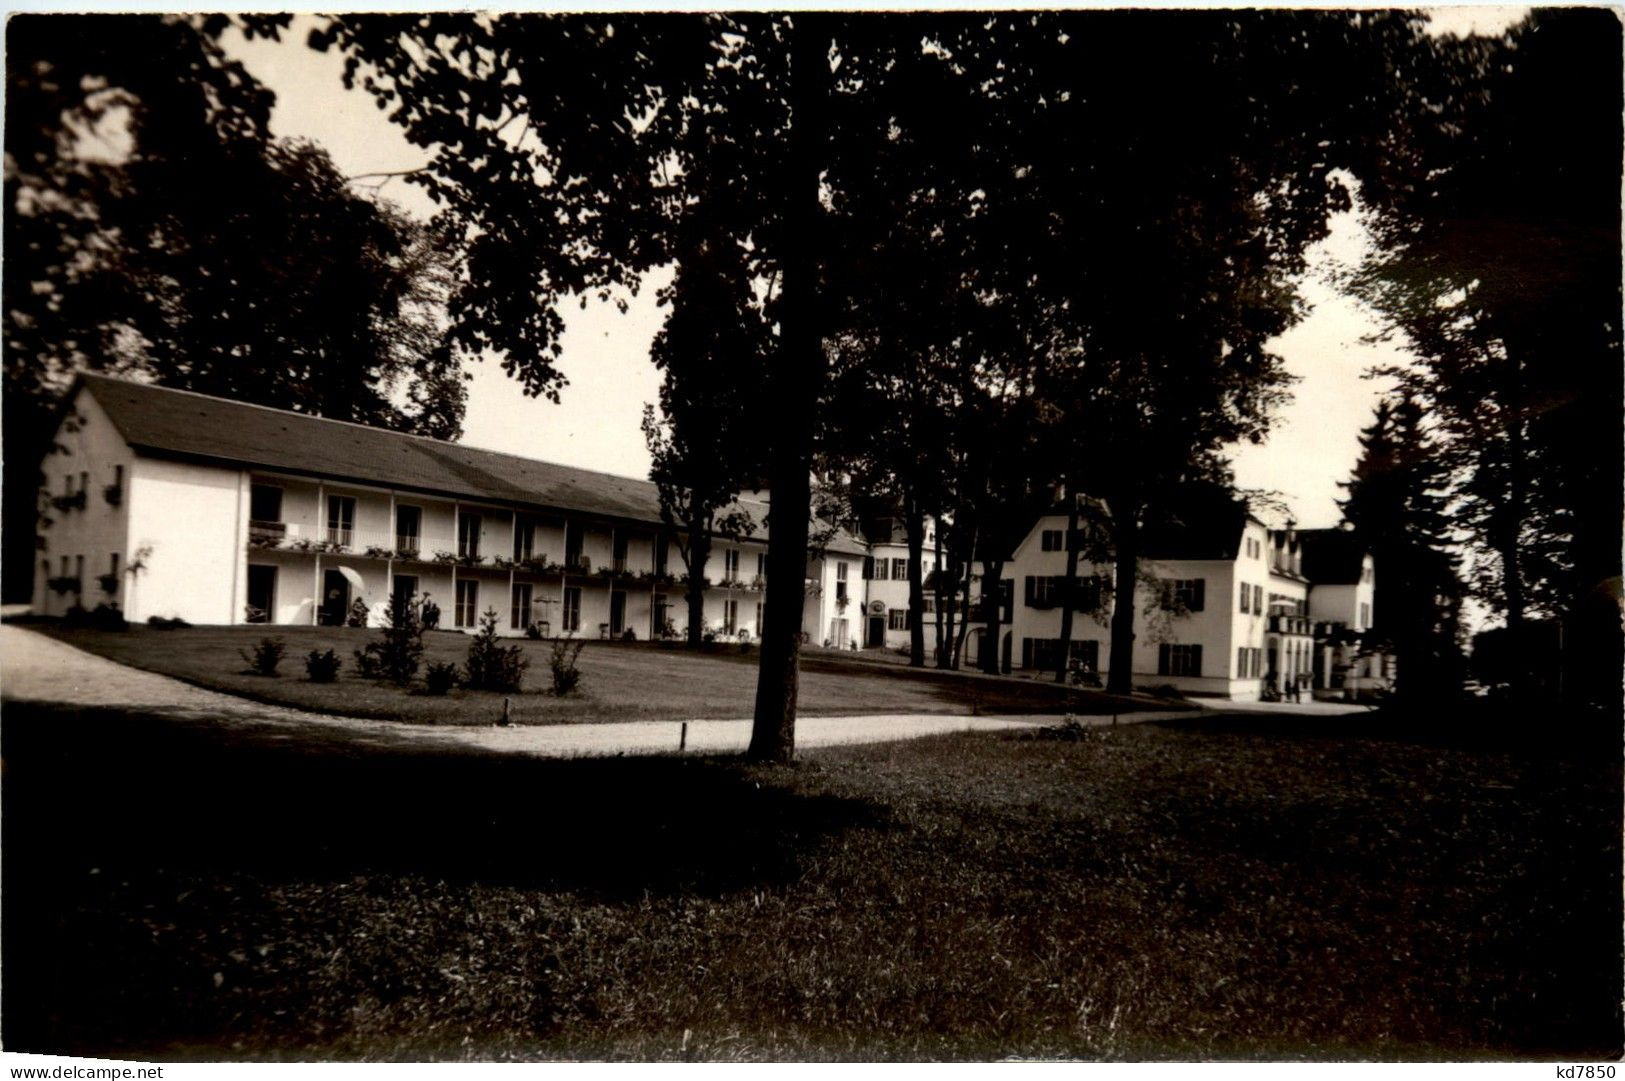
(440, 677)
(76, 616)
(534, 632)
(107, 617)
(166, 623)
(629, 635)
(357, 616)
(266, 656)
(566, 675)
(492, 666)
(399, 650)
(322, 667)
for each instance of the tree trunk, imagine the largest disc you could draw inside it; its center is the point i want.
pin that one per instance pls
(945, 614)
(698, 555)
(1126, 552)
(1069, 592)
(991, 604)
(791, 392)
(914, 526)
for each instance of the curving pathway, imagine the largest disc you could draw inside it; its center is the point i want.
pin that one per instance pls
(36, 668)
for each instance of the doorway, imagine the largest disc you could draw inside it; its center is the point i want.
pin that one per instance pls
(335, 599)
(261, 593)
(877, 632)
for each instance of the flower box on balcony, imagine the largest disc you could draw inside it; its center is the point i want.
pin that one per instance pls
(730, 583)
(63, 583)
(108, 582)
(74, 501)
(758, 583)
(114, 494)
(378, 551)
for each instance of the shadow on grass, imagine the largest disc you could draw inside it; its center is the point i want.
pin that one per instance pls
(112, 790)
(1541, 727)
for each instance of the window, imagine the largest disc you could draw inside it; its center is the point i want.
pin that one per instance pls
(468, 603)
(1183, 593)
(84, 482)
(79, 569)
(730, 564)
(1258, 600)
(524, 538)
(408, 528)
(404, 586)
(1043, 654)
(572, 608)
(758, 619)
(1051, 540)
(617, 553)
(468, 536)
(899, 569)
(880, 570)
(341, 520)
(1246, 597)
(520, 617)
(897, 619)
(761, 564)
(660, 554)
(1043, 591)
(1241, 662)
(730, 617)
(1365, 616)
(572, 547)
(617, 614)
(1177, 660)
(840, 581)
(265, 503)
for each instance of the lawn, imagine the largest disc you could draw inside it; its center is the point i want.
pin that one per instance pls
(621, 681)
(1156, 891)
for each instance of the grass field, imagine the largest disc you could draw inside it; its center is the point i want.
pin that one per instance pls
(1242, 890)
(621, 681)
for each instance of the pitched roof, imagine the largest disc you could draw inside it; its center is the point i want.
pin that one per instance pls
(1200, 525)
(170, 423)
(1332, 556)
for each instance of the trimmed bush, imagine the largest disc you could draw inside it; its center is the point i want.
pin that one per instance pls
(399, 650)
(266, 656)
(562, 664)
(440, 678)
(322, 667)
(492, 666)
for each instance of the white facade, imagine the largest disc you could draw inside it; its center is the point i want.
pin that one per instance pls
(217, 544)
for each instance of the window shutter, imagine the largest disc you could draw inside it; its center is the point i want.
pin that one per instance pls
(1027, 650)
(1029, 587)
(1162, 659)
(1196, 660)
(868, 567)
(1198, 591)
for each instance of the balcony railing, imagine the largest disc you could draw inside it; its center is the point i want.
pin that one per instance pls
(1281, 623)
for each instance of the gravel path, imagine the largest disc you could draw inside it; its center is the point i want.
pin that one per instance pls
(35, 668)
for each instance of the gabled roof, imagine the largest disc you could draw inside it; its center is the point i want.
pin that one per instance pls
(1332, 556)
(169, 423)
(1200, 526)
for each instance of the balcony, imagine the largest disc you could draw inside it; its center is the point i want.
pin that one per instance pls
(1281, 623)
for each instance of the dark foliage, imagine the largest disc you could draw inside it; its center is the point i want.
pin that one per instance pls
(267, 655)
(398, 652)
(561, 664)
(492, 666)
(322, 666)
(440, 677)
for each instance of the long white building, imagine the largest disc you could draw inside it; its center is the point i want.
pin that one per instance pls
(174, 504)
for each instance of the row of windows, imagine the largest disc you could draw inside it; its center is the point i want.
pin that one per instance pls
(1052, 540)
(1249, 662)
(1179, 660)
(1049, 591)
(1252, 598)
(1045, 654)
(881, 569)
(265, 505)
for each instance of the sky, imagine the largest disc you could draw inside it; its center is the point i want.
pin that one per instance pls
(1312, 445)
